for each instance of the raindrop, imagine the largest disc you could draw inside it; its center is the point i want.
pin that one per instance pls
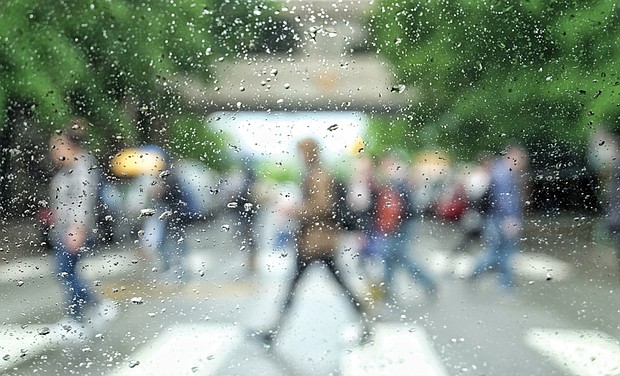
(165, 215)
(44, 331)
(247, 206)
(6, 357)
(20, 283)
(134, 363)
(398, 88)
(225, 228)
(332, 127)
(137, 300)
(286, 86)
(232, 205)
(146, 213)
(274, 72)
(164, 174)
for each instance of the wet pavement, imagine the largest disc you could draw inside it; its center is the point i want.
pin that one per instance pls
(561, 319)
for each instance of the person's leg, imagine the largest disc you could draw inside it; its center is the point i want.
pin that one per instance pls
(302, 265)
(506, 251)
(390, 264)
(489, 256)
(76, 290)
(330, 262)
(366, 333)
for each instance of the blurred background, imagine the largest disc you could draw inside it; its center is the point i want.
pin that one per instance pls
(226, 89)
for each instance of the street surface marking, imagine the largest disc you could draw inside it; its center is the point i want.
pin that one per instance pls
(581, 352)
(526, 265)
(397, 350)
(537, 266)
(19, 344)
(184, 349)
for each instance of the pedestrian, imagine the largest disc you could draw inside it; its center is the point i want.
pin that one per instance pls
(318, 235)
(169, 208)
(392, 227)
(612, 215)
(242, 202)
(73, 201)
(503, 215)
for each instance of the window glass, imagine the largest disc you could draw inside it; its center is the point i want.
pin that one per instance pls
(320, 187)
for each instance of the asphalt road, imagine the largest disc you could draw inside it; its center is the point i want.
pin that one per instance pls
(562, 319)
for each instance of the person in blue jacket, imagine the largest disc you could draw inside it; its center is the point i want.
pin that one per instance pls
(503, 216)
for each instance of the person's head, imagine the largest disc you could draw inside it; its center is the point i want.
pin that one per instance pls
(516, 157)
(67, 145)
(309, 150)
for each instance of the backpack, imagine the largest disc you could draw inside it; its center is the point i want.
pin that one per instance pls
(390, 209)
(342, 213)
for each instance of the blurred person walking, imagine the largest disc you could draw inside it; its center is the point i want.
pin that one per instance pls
(73, 201)
(318, 235)
(169, 210)
(503, 215)
(393, 225)
(612, 216)
(242, 201)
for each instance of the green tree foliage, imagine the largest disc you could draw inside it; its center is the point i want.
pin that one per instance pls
(71, 58)
(544, 72)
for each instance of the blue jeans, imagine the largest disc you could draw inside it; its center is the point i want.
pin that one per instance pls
(78, 294)
(499, 251)
(395, 250)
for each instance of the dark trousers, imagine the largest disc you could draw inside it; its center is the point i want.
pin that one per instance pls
(303, 264)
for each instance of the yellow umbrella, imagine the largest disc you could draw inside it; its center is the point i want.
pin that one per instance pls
(357, 146)
(132, 162)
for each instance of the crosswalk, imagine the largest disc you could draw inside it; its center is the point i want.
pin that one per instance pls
(580, 352)
(397, 349)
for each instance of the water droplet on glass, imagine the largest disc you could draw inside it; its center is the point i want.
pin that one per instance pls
(247, 206)
(20, 283)
(146, 213)
(134, 363)
(137, 300)
(274, 72)
(44, 331)
(232, 205)
(164, 174)
(225, 228)
(398, 88)
(165, 215)
(332, 127)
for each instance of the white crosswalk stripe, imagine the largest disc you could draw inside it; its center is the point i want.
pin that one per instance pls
(19, 344)
(184, 350)
(396, 350)
(581, 352)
